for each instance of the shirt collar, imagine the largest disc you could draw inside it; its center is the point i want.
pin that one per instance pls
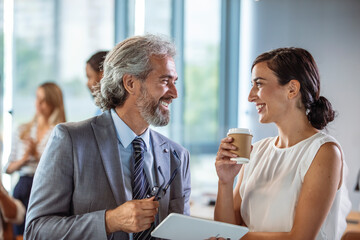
(124, 134)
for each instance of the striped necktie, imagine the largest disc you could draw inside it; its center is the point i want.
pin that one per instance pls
(140, 184)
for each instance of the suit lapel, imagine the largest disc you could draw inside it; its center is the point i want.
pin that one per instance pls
(105, 135)
(161, 159)
(106, 139)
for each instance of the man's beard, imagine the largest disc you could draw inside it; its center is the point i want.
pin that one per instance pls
(150, 109)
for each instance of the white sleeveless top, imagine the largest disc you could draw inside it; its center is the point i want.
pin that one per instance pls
(272, 182)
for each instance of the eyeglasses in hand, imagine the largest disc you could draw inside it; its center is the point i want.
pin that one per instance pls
(159, 192)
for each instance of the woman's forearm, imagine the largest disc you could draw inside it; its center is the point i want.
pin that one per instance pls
(224, 207)
(270, 236)
(16, 165)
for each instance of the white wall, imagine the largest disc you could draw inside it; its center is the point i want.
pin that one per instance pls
(330, 30)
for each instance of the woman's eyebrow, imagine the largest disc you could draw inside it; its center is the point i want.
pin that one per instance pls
(258, 78)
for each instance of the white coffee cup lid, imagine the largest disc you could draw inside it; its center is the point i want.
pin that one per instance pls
(239, 130)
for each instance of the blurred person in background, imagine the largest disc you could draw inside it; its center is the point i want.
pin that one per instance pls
(30, 140)
(11, 211)
(294, 184)
(94, 71)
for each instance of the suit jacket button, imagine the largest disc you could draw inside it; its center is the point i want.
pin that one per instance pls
(166, 150)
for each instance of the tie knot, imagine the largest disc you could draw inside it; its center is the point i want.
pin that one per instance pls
(139, 145)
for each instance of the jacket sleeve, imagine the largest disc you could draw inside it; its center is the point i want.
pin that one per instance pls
(50, 214)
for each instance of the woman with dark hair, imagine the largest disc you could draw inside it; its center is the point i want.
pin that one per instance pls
(30, 139)
(94, 72)
(94, 69)
(293, 186)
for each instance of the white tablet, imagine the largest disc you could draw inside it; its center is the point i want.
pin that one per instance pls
(179, 227)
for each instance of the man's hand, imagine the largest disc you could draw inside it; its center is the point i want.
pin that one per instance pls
(132, 216)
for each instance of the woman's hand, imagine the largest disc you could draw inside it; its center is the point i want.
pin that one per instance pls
(31, 149)
(225, 168)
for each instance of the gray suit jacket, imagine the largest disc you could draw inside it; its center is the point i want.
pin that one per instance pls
(79, 177)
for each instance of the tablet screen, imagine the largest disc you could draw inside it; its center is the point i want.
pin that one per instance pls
(179, 227)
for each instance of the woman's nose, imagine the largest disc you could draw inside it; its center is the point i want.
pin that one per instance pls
(252, 95)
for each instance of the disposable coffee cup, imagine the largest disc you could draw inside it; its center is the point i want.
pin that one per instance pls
(242, 140)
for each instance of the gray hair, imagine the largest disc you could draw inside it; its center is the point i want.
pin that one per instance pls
(131, 56)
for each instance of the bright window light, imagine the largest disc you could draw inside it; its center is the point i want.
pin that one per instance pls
(7, 107)
(139, 17)
(245, 62)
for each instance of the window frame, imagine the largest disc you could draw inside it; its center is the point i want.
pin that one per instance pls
(228, 68)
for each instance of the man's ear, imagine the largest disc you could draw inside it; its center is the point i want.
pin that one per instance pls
(294, 88)
(129, 83)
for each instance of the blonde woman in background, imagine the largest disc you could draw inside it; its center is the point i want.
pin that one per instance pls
(30, 140)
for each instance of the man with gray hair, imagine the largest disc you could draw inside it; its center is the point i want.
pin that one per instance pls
(111, 176)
